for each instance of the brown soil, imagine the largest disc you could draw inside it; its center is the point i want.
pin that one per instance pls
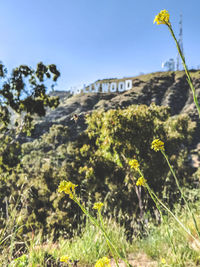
(139, 260)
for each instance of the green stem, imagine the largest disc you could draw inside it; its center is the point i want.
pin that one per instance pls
(186, 70)
(156, 199)
(171, 213)
(95, 222)
(169, 236)
(111, 249)
(92, 219)
(182, 194)
(162, 219)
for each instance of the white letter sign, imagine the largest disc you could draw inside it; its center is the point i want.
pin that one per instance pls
(105, 87)
(113, 87)
(121, 87)
(128, 84)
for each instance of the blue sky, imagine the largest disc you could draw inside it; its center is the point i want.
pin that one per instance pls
(96, 39)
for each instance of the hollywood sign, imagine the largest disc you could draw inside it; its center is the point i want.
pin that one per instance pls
(97, 87)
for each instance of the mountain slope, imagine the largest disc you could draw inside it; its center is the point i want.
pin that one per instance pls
(163, 88)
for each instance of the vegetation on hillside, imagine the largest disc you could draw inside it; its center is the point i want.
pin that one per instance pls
(98, 162)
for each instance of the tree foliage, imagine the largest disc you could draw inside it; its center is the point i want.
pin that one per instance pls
(24, 93)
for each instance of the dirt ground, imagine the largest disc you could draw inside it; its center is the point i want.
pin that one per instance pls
(139, 260)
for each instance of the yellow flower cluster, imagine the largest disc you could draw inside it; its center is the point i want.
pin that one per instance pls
(157, 145)
(134, 164)
(67, 187)
(162, 18)
(141, 181)
(98, 206)
(64, 259)
(103, 262)
(163, 261)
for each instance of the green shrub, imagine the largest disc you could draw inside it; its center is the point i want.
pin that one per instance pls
(98, 162)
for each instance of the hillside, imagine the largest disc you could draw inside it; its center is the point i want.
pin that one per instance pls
(163, 88)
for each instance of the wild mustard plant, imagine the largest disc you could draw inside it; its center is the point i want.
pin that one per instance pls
(103, 262)
(98, 206)
(158, 145)
(163, 261)
(163, 18)
(134, 164)
(69, 188)
(141, 181)
(64, 258)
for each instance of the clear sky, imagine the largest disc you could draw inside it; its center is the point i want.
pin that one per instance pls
(96, 39)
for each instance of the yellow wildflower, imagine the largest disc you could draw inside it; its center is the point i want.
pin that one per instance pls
(134, 164)
(141, 181)
(67, 187)
(157, 145)
(162, 18)
(103, 262)
(163, 261)
(64, 259)
(98, 206)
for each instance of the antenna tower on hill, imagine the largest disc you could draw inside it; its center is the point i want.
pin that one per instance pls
(180, 41)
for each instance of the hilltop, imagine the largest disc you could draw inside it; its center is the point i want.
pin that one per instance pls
(163, 88)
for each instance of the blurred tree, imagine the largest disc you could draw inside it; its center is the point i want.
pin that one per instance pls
(24, 94)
